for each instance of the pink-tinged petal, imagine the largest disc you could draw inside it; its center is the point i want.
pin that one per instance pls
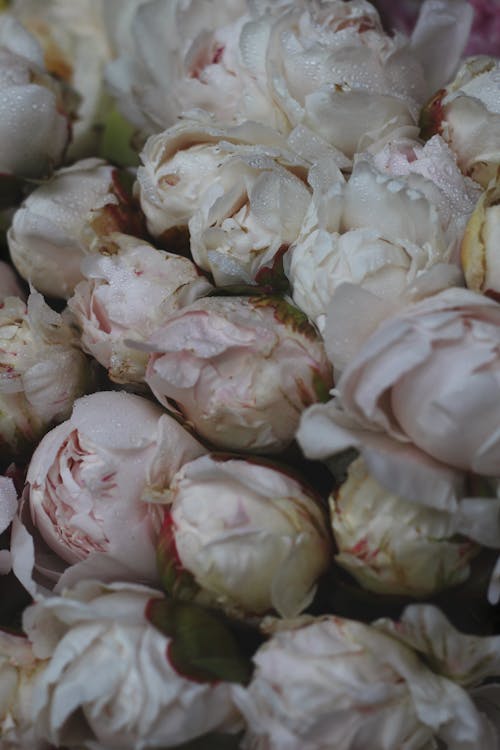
(430, 377)
(91, 481)
(466, 659)
(240, 369)
(441, 25)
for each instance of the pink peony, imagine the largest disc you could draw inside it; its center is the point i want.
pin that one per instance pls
(90, 479)
(420, 398)
(127, 295)
(240, 370)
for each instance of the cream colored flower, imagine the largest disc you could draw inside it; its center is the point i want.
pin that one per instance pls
(108, 680)
(125, 296)
(66, 218)
(252, 537)
(34, 129)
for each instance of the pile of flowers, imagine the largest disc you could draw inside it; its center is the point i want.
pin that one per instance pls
(249, 375)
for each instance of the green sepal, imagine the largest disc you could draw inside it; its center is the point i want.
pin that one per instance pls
(321, 387)
(202, 647)
(273, 277)
(116, 141)
(288, 314)
(238, 290)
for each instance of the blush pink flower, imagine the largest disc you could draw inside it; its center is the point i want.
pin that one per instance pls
(126, 296)
(420, 398)
(337, 683)
(88, 476)
(240, 370)
(67, 218)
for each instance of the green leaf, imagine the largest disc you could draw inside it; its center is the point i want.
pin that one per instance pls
(116, 141)
(321, 387)
(202, 648)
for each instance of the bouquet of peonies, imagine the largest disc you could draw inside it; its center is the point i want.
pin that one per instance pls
(249, 375)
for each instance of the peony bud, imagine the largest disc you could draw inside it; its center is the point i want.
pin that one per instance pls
(199, 57)
(65, 219)
(244, 535)
(42, 371)
(241, 190)
(178, 167)
(480, 255)
(88, 476)
(240, 369)
(359, 81)
(127, 295)
(467, 114)
(34, 129)
(109, 681)
(75, 50)
(394, 546)
(401, 213)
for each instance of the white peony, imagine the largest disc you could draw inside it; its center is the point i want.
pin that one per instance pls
(42, 371)
(467, 114)
(242, 192)
(240, 370)
(250, 537)
(75, 49)
(126, 296)
(34, 130)
(402, 212)
(395, 546)
(178, 56)
(108, 680)
(65, 219)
